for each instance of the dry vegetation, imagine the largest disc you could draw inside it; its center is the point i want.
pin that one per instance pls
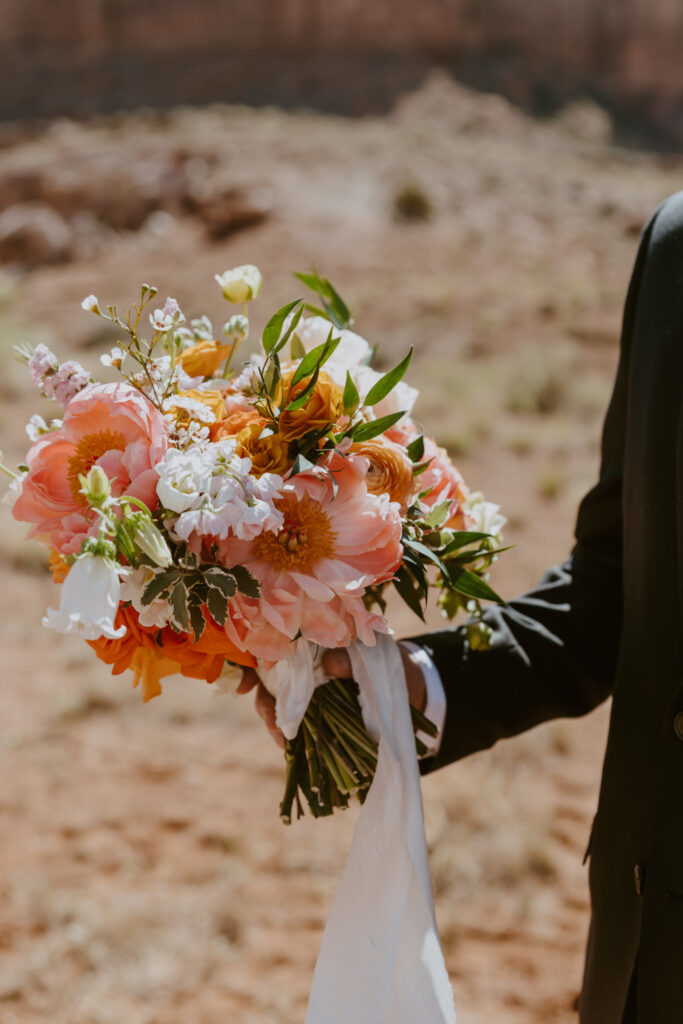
(145, 878)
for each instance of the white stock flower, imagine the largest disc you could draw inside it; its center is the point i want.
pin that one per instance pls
(114, 358)
(351, 350)
(487, 517)
(211, 491)
(241, 284)
(89, 600)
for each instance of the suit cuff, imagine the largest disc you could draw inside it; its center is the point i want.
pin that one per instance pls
(435, 709)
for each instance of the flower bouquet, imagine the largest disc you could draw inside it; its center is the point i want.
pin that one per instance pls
(203, 516)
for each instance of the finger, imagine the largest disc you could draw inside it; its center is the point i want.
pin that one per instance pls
(265, 705)
(337, 663)
(248, 681)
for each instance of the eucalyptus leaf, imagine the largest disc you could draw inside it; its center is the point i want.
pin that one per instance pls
(416, 449)
(366, 431)
(462, 539)
(290, 331)
(316, 358)
(351, 396)
(273, 329)
(297, 348)
(405, 585)
(468, 583)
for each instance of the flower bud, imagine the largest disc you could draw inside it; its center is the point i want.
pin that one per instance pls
(479, 635)
(241, 284)
(237, 328)
(91, 305)
(150, 539)
(95, 486)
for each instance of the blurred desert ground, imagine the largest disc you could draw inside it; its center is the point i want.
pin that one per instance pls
(144, 875)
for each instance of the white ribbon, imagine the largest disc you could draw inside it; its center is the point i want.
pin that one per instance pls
(380, 960)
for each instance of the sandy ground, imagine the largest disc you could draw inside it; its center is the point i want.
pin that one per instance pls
(144, 874)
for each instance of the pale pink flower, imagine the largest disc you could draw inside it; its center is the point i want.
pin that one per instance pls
(335, 542)
(446, 484)
(109, 425)
(42, 362)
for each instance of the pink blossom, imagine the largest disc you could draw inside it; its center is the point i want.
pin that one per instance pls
(66, 382)
(42, 362)
(334, 544)
(446, 484)
(109, 425)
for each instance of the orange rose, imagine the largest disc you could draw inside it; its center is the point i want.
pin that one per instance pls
(211, 398)
(204, 358)
(319, 412)
(234, 422)
(390, 472)
(269, 454)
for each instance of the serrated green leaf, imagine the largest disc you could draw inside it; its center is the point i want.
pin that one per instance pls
(197, 620)
(381, 388)
(351, 396)
(298, 350)
(158, 584)
(246, 583)
(468, 583)
(416, 449)
(366, 431)
(221, 580)
(438, 514)
(316, 358)
(180, 608)
(217, 604)
(273, 329)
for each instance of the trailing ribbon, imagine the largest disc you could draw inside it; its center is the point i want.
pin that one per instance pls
(380, 960)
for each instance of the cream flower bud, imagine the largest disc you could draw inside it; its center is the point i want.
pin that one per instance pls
(150, 539)
(91, 304)
(241, 284)
(236, 328)
(95, 486)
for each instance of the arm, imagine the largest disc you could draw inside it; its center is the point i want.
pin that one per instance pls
(554, 649)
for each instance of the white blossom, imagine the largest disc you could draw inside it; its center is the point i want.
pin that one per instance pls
(163, 320)
(114, 358)
(157, 613)
(487, 517)
(90, 304)
(89, 600)
(351, 350)
(13, 492)
(241, 284)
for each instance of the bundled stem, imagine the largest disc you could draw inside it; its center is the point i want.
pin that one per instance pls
(332, 758)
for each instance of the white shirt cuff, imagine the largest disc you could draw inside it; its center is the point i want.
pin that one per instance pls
(435, 709)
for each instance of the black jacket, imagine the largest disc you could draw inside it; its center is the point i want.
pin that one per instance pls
(608, 621)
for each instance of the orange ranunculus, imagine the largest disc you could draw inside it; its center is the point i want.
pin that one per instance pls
(390, 471)
(235, 421)
(320, 411)
(211, 398)
(154, 653)
(204, 358)
(269, 454)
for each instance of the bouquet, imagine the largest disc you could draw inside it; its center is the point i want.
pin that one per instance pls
(204, 515)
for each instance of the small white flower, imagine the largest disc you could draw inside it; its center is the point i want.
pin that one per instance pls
(202, 328)
(241, 284)
(487, 517)
(36, 427)
(157, 613)
(13, 492)
(91, 304)
(236, 328)
(163, 320)
(197, 410)
(89, 600)
(114, 358)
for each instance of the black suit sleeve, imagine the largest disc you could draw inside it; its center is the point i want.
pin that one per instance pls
(555, 648)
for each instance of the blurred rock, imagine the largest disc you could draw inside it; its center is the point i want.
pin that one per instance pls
(587, 122)
(228, 212)
(34, 233)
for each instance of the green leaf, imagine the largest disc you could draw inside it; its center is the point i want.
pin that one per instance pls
(420, 468)
(462, 539)
(316, 358)
(416, 449)
(221, 580)
(303, 396)
(246, 583)
(351, 396)
(197, 620)
(405, 585)
(468, 583)
(366, 431)
(438, 514)
(290, 330)
(273, 329)
(335, 307)
(388, 382)
(422, 549)
(217, 604)
(298, 350)
(158, 584)
(179, 606)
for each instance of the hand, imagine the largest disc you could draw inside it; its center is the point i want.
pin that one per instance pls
(336, 663)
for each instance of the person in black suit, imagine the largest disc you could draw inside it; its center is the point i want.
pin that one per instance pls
(605, 622)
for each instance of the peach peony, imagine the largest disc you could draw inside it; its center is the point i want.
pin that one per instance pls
(108, 425)
(390, 471)
(315, 571)
(152, 654)
(320, 411)
(447, 485)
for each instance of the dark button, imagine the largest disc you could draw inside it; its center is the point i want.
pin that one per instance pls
(639, 879)
(678, 725)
